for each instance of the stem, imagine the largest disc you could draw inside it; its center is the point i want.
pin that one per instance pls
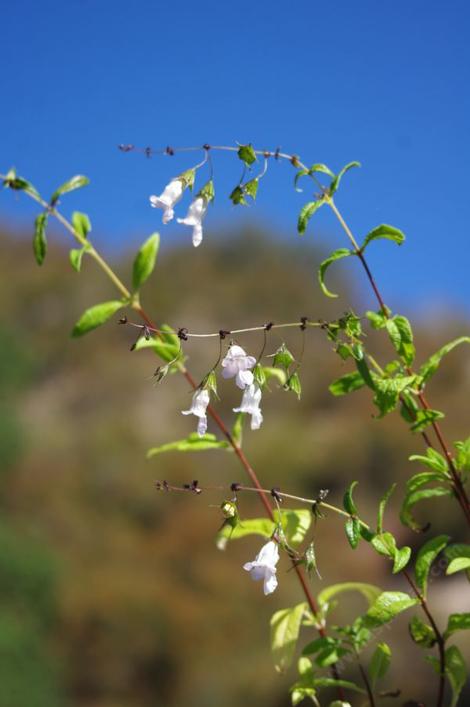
(439, 638)
(366, 682)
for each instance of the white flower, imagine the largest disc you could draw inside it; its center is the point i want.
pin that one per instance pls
(264, 566)
(250, 404)
(170, 196)
(198, 407)
(237, 363)
(196, 211)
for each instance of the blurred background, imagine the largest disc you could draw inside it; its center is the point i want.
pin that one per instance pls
(110, 594)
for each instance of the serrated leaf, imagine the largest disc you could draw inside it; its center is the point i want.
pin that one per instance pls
(76, 182)
(426, 556)
(348, 502)
(336, 181)
(247, 154)
(144, 262)
(388, 391)
(39, 238)
(379, 663)
(81, 223)
(346, 384)
(96, 316)
(382, 504)
(424, 418)
(285, 626)
(457, 622)
(411, 499)
(432, 364)
(401, 336)
(383, 231)
(422, 634)
(456, 671)
(193, 443)
(306, 214)
(336, 255)
(386, 607)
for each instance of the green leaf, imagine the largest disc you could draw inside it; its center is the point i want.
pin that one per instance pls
(363, 368)
(348, 502)
(383, 231)
(96, 316)
(144, 262)
(369, 591)
(352, 529)
(425, 477)
(166, 346)
(247, 154)
(39, 239)
(285, 627)
(81, 223)
(336, 255)
(295, 524)
(379, 663)
(459, 558)
(422, 634)
(433, 460)
(75, 256)
(388, 391)
(237, 429)
(411, 499)
(424, 418)
(332, 682)
(432, 364)
(74, 183)
(384, 544)
(386, 607)
(12, 181)
(426, 556)
(382, 504)
(306, 214)
(401, 336)
(378, 320)
(193, 443)
(336, 181)
(456, 671)
(457, 622)
(271, 372)
(346, 384)
(401, 559)
(462, 460)
(251, 526)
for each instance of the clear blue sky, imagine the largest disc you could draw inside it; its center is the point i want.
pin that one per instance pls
(386, 83)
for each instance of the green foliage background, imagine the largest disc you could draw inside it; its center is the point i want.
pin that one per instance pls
(114, 596)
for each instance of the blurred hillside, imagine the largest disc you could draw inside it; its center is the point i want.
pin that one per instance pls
(114, 596)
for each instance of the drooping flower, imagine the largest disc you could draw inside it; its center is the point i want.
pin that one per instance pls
(196, 212)
(198, 407)
(264, 566)
(237, 363)
(250, 404)
(168, 198)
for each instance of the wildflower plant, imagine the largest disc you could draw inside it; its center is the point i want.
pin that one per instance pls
(289, 521)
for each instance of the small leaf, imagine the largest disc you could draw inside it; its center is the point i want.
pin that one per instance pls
(424, 418)
(459, 558)
(285, 627)
(74, 183)
(382, 504)
(422, 634)
(348, 502)
(247, 154)
(401, 559)
(456, 671)
(336, 255)
(144, 262)
(306, 214)
(75, 256)
(411, 499)
(346, 384)
(193, 443)
(432, 364)
(457, 622)
(39, 239)
(433, 460)
(379, 663)
(383, 231)
(12, 181)
(388, 391)
(384, 544)
(96, 316)
(237, 429)
(401, 336)
(425, 477)
(369, 591)
(352, 529)
(336, 181)
(462, 460)
(386, 607)
(378, 320)
(81, 223)
(425, 558)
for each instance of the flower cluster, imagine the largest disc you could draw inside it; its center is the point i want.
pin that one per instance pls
(236, 364)
(171, 195)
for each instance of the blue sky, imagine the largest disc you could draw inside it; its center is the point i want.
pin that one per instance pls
(384, 83)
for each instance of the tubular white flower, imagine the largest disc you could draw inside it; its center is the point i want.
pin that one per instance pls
(237, 363)
(169, 197)
(250, 404)
(198, 408)
(196, 212)
(264, 566)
